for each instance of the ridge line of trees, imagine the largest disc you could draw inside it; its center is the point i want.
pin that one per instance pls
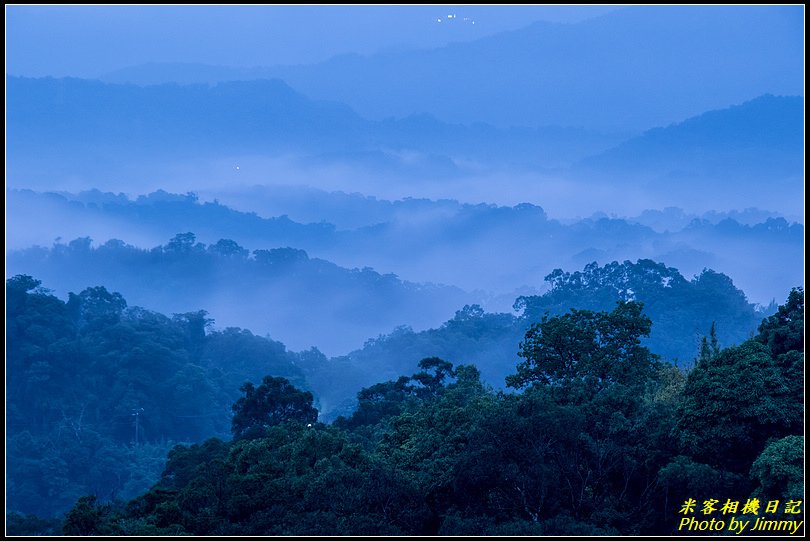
(603, 438)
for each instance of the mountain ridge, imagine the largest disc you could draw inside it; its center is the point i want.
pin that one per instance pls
(760, 136)
(658, 59)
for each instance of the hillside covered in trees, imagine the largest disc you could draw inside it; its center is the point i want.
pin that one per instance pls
(383, 323)
(683, 311)
(595, 436)
(100, 392)
(83, 374)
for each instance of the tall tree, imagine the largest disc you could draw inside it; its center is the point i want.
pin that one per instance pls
(598, 346)
(784, 331)
(273, 402)
(733, 403)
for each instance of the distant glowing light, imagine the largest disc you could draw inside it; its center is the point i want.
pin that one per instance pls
(451, 17)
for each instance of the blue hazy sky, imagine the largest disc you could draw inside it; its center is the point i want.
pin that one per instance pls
(87, 41)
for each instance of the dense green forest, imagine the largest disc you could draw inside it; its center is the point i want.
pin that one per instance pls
(79, 371)
(596, 434)
(682, 311)
(379, 324)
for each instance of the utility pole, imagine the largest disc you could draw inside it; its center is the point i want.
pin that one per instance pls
(136, 412)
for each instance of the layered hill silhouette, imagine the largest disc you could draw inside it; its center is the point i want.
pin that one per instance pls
(58, 128)
(497, 250)
(631, 69)
(759, 138)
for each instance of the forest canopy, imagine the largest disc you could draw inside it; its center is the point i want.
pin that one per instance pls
(603, 437)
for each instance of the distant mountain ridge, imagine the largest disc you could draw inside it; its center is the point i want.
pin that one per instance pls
(474, 247)
(79, 123)
(763, 137)
(81, 126)
(280, 290)
(631, 69)
(227, 115)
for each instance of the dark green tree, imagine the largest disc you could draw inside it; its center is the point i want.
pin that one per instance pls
(379, 402)
(31, 525)
(229, 249)
(780, 469)
(585, 345)
(95, 307)
(382, 401)
(431, 384)
(85, 518)
(784, 331)
(709, 347)
(733, 403)
(273, 402)
(181, 243)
